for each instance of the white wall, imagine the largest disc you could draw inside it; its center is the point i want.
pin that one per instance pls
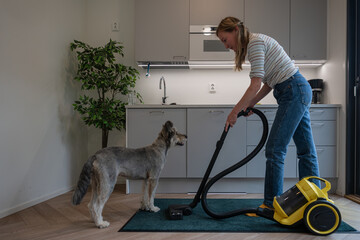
(99, 17)
(42, 141)
(334, 75)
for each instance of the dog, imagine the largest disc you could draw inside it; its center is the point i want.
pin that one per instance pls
(102, 169)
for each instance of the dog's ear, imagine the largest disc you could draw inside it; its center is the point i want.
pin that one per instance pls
(169, 125)
(167, 132)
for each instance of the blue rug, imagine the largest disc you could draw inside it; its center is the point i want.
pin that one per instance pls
(199, 221)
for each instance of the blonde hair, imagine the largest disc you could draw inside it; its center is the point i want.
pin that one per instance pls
(229, 24)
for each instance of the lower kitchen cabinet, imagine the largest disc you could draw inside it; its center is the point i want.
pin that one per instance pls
(324, 128)
(143, 127)
(204, 125)
(327, 161)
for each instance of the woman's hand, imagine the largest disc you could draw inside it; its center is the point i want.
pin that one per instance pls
(231, 120)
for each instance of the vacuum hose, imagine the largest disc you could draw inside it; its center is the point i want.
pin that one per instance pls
(205, 186)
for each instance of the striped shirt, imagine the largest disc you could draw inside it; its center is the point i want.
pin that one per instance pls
(269, 60)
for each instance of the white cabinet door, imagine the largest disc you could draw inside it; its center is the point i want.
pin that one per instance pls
(211, 12)
(327, 161)
(308, 30)
(271, 18)
(143, 127)
(162, 30)
(205, 127)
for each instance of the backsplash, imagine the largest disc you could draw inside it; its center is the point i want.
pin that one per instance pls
(192, 86)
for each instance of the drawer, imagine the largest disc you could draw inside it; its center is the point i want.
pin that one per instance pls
(324, 132)
(327, 161)
(268, 112)
(323, 114)
(315, 114)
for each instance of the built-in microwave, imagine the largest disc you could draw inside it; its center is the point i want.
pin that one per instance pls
(206, 46)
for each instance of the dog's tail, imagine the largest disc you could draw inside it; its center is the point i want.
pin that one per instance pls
(84, 181)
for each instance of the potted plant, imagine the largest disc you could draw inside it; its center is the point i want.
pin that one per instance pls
(104, 80)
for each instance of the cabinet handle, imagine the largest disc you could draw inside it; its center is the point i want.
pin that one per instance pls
(317, 111)
(179, 58)
(216, 111)
(317, 124)
(152, 112)
(269, 112)
(319, 150)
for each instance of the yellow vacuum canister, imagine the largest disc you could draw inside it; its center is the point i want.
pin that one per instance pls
(307, 202)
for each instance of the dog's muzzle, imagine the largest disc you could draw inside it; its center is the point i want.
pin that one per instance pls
(181, 143)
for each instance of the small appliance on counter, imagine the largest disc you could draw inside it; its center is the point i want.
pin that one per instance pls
(317, 86)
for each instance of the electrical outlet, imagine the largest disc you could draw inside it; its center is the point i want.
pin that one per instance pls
(212, 88)
(115, 26)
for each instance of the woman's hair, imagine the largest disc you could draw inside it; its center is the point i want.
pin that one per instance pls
(229, 24)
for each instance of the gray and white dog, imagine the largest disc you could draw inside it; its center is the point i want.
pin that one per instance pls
(104, 166)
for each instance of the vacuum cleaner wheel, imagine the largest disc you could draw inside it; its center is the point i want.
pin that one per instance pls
(322, 217)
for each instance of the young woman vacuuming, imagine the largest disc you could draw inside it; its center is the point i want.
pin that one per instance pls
(272, 69)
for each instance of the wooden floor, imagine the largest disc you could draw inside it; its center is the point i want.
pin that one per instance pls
(58, 219)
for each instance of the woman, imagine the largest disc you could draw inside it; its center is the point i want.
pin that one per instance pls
(271, 66)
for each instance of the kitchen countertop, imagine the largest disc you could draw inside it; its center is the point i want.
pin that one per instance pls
(152, 106)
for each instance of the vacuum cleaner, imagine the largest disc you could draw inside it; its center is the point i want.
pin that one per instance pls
(305, 202)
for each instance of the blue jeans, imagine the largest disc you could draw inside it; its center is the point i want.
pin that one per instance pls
(292, 120)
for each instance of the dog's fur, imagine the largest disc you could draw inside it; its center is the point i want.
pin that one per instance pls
(104, 166)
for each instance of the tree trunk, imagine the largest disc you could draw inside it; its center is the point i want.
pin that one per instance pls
(105, 136)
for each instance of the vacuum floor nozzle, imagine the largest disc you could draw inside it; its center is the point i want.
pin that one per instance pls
(176, 212)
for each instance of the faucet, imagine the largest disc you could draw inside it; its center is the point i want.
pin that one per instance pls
(162, 79)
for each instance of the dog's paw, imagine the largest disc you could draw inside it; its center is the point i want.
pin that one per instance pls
(144, 208)
(103, 224)
(154, 209)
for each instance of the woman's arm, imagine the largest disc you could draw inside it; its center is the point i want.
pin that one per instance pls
(260, 95)
(245, 101)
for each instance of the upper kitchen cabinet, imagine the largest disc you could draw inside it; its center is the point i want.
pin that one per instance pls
(161, 30)
(211, 12)
(271, 18)
(308, 30)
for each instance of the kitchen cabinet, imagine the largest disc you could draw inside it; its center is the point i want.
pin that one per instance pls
(161, 30)
(271, 18)
(298, 25)
(162, 26)
(308, 30)
(323, 124)
(211, 12)
(324, 127)
(144, 126)
(205, 126)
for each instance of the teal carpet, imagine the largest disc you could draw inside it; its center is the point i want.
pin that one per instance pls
(199, 221)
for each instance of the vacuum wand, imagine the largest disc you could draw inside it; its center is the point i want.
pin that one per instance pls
(176, 212)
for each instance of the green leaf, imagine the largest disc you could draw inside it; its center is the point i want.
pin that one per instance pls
(101, 76)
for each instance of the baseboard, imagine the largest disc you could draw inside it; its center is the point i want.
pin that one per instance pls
(354, 198)
(35, 201)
